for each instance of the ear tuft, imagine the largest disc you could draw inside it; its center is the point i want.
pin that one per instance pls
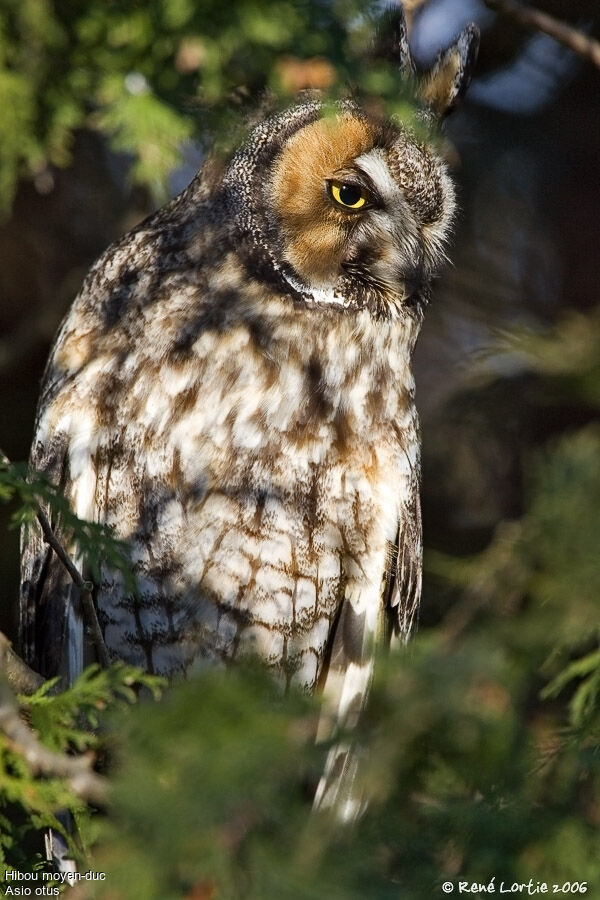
(442, 87)
(391, 39)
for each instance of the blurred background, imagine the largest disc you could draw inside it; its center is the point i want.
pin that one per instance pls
(107, 110)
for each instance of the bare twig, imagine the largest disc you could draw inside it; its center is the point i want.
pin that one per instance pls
(21, 678)
(89, 610)
(85, 783)
(539, 21)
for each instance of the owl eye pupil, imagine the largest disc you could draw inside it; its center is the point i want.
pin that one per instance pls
(350, 194)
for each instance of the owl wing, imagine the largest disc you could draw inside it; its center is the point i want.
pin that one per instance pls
(403, 589)
(75, 452)
(355, 641)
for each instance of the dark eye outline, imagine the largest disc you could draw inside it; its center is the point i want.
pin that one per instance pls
(365, 200)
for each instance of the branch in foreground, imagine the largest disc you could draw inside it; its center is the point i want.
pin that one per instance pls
(89, 610)
(21, 678)
(84, 783)
(539, 21)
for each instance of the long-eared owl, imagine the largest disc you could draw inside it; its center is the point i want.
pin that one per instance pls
(232, 392)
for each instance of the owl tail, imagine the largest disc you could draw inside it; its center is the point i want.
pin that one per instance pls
(345, 690)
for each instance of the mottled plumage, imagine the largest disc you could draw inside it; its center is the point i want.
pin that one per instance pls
(232, 391)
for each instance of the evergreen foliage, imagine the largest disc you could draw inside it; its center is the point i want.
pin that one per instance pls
(67, 721)
(31, 491)
(151, 75)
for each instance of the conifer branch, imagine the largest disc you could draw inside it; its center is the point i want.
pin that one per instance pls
(87, 602)
(21, 678)
(77, 771)
(85, 587)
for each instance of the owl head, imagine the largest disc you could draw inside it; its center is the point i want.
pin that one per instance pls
(342, 209)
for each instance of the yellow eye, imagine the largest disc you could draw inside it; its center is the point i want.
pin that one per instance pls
(350, 196)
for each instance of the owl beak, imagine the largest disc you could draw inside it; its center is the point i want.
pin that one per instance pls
(413, 280)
